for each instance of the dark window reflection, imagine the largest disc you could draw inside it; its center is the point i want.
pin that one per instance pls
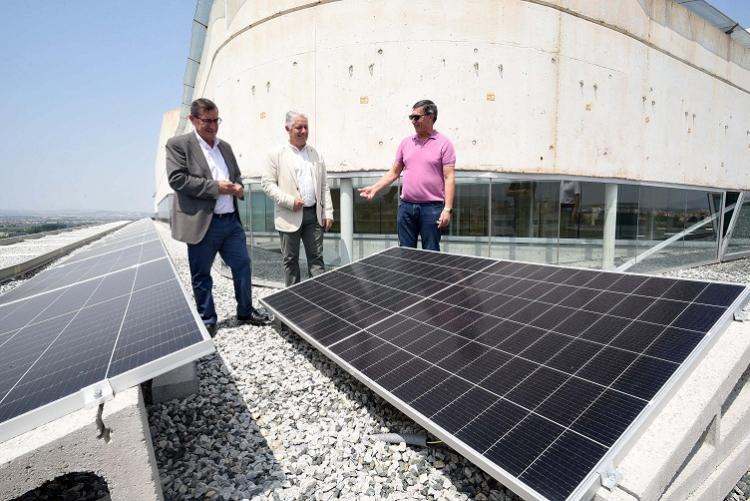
(262, 210)
(662, 212)
(731, 200)
(525, 209)
(581, 209)
(739, 240)
(377, 216)
(470, 209)
(627, 212)
(336, 199)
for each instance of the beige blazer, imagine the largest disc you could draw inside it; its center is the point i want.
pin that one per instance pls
(280, 183)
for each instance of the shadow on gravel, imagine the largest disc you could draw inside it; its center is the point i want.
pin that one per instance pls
(460, 471)
(208, 444)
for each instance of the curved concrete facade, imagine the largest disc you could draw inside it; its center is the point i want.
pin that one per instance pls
(644, 90)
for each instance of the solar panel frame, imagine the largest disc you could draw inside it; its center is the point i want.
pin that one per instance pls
(604, 470)
(93, 394)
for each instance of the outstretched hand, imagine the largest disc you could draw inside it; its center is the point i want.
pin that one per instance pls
(368, 192)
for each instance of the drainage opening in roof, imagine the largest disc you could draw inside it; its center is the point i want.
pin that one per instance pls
(72, 486)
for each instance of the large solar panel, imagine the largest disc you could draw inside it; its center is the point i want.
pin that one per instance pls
(110, 317)
(539, 374)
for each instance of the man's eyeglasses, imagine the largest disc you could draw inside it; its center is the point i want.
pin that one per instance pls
(415, 118)
(207, 121)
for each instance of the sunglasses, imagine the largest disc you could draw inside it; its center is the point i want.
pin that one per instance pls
(415, 118)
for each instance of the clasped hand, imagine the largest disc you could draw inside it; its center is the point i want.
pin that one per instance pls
(230, 188)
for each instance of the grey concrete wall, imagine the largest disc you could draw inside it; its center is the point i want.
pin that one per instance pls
(168, 127)
(635, 90)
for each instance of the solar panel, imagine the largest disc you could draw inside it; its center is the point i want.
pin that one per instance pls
(91, 326)
(539, 374)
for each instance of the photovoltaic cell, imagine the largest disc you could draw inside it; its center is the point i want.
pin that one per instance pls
(115, 316)
(536, 372)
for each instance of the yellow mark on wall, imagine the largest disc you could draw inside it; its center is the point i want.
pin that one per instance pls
(490, 96)
(262, 115)
(588, 106)
(364, 99)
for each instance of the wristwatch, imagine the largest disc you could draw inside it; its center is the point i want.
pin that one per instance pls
(449, 210)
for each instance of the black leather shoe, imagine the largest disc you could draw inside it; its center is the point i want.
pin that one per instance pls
(255, 318)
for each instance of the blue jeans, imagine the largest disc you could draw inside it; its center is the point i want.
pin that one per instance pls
(419, 219)
(225, 236)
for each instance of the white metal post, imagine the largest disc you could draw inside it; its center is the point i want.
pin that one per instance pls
(610, 224)
(347, 221)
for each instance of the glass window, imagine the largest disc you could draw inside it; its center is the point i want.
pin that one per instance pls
(525, 217)
(470, 208)
(581, 210)
(332, 238)
(739, 240)
(264, 240)
(675, 228)
(243, 206)
(468, 232)
(261, 210)
(626, 230)
(581, 223)
(377, 216)
(731, 200)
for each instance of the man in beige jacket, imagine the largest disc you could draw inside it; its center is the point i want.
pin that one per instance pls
(295, 179)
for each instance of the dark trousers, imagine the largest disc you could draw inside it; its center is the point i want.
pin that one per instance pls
(225, 236)
(311, 234)
(419, 219)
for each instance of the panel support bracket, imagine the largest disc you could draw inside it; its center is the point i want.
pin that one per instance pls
(97, 393)
(610, 476)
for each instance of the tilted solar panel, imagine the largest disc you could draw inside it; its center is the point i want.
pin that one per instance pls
(539, 374)
(92, 326)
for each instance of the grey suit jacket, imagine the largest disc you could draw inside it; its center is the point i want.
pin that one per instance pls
(195, 189)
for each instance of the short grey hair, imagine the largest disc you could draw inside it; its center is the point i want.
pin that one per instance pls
(291, 116)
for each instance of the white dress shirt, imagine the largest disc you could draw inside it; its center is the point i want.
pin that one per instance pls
(219, 171)
(304, 169)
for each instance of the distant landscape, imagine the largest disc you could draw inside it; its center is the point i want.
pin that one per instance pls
(15, 223)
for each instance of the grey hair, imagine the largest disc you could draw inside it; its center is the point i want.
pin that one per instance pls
(291, 116)
(201, 105)
(429, 107)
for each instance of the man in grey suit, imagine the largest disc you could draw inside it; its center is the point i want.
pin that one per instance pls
(295, 178)
(207, 182)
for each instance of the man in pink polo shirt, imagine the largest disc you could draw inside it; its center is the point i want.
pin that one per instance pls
(427, 160)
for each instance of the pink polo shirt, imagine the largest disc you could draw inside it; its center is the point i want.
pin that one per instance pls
(422, 177)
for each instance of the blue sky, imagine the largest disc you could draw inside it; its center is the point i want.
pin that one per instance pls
(85, 84)
(739, 10)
